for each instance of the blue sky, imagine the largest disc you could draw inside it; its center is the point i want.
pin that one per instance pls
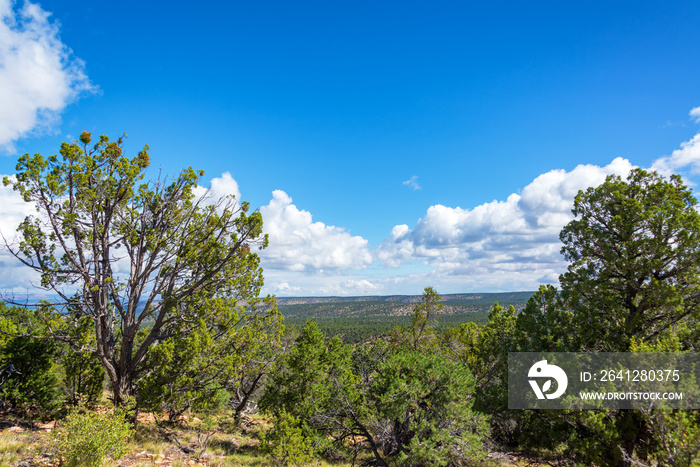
(389, 145)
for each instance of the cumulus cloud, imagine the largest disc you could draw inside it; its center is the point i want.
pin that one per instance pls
(219, 187)
(286, 283)
(297, 243)
(412, 183)
(695, 114)
(39, 76)
(500, 244)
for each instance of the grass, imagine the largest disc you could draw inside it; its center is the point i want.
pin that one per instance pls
(152, 445)
(229, 445)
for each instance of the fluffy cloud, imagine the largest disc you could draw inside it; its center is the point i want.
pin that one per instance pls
(299, 244)
(38, 75)
(219, 187)
(325, 285)
(502, 245)
(13, 276)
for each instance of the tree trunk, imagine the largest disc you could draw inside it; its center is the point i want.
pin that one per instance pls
(122, 389)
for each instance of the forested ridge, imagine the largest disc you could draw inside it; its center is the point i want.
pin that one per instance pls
(157, 340)
(357, 319)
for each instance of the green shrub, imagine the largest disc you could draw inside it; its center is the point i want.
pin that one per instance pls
(85, 439)
(84, 378)
(285, 443)
(31, 386)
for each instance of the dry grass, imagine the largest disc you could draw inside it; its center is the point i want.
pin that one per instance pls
(26, 446)
(228, 445)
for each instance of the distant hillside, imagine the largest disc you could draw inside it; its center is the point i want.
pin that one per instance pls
(357, 319)
(393, 305)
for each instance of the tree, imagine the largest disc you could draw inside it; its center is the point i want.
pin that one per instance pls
(634, 252)
(133, 257)
(30, 387)
(402, 406)
(632, 281)
(212, 363)
(421, 335)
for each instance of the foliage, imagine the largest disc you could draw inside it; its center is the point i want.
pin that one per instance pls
(484, 350)
(184, 252)
(227, 353)
(306, 381)
(420, 335)
(676, 433)
(366, 329)
(634, 252)
(426, 400)
(632, 283)
(30, 384)
(86, 438)
(285, 443)
(398, 404)
(84, 376)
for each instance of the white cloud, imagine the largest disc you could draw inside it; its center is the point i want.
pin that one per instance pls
(688, 156)
(695, 114)
(501, 245)
(412, 183)
(286, 283)
(13, 275)
(299, 244)
(219, 187)
(38, 75)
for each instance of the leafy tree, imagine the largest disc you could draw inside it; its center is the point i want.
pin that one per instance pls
(131, 256)
(421, 333)
(427, 401)
(313, 383)
(225, 353)
(29, 381)
(399, 405)
(484, 350)
(633, 277)
(634, 252)
(545, 324)
(285, 442)
(84, 376)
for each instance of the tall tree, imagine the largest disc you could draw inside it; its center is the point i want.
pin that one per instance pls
(134, 257)
(634, 252)
(633, 280)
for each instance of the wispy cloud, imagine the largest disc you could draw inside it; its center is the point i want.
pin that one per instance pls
(39, 76)
(687, 157)
(695, 114)
(412, 183)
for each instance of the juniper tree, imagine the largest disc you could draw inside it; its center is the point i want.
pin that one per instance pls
(140, 259)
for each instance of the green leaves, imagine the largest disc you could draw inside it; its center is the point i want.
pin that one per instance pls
(141, 260)
(409, 407)
(634, 249)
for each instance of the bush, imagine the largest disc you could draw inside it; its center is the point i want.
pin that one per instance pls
(31, 386)
(84, 378)
(285, 443)
(85, 439)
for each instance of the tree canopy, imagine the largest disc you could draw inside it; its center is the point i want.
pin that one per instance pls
(634, 252)
(143, 261)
